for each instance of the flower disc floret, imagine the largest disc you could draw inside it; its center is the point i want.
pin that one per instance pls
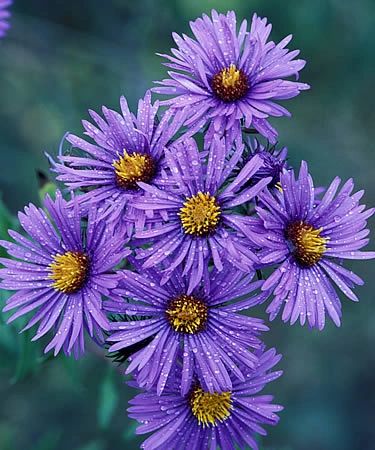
(230, 84)
(133, 167)
(187, 314)
(308, 246)
(200, 214)
(69, 271)
(210, 409)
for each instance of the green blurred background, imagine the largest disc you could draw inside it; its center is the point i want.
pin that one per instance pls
(62, 57)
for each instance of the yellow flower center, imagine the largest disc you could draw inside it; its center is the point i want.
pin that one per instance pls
(307, 244)
(210, 408)
(200, 214)
(131, 168)
(69, 271)
(187, 314)
(230, 84)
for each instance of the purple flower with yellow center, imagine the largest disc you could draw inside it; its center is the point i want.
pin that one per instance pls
(61, 270)
(229, 75)
(308, 239)
(4, 16)
(209, 420)
(203, 324)
(126, 150)
(196, 222)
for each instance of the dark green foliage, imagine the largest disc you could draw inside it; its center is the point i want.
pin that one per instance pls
(108, 399)
(7, 221)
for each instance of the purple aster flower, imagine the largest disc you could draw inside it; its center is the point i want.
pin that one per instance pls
(61, 272)
(308, 240)
(229, 75)
(274, 161)
(209, 420)
(203, 324)
(4, 16)
(127, 150)
(196, 222)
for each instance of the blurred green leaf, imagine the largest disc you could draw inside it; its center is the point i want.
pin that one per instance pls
(48, 188)
(6, 436)
(7, 221)
(94, 445)
(108, 399)
(24, 356)
(28, 357)
(71, 368)
(6, 338)
(48, 441)
(6, 218)
(129, 432)
(7, 333)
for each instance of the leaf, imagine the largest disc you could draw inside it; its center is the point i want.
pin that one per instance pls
(107, 399)
(28, 356)
(7, 337)
(93, 445)
(7, 221)
(7, 333)
(71, 367)
(7, 433)
(6, 218)
(129, 432)
(48, 441)
(48, 188)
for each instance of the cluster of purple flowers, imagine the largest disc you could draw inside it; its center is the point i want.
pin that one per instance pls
(155, 249)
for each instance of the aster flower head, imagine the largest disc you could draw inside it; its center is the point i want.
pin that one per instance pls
(126, 149)
(308, 239)
(202, 419)
(61, 271)
(274, 160)
(203, 324)
(4, 16)
(229, 75)
(196, 222)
